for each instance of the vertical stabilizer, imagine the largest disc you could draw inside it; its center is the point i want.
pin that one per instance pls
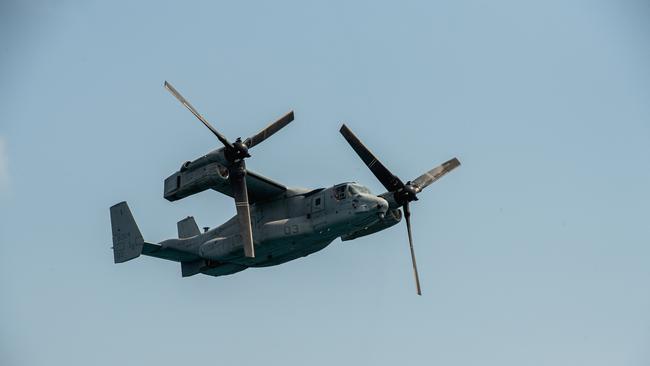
(193, 267)
(127, 240)
(187, 228)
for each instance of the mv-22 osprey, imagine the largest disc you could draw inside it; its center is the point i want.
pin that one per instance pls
(274, 223)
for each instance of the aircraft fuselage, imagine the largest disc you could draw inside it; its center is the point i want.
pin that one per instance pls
(298, 223)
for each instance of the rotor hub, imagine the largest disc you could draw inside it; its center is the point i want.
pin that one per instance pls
(406, 194)
(239, 151)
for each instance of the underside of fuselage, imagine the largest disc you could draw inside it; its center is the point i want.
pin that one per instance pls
(296, 251)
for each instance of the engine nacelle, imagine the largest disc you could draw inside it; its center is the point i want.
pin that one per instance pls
(392, 218)
(188, 180)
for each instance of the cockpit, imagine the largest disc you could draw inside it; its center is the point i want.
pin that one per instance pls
(349, 189)
(355, 189)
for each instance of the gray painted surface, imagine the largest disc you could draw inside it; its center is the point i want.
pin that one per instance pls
(286, 226)
(187, 228)
(127, 240)
(274, 223)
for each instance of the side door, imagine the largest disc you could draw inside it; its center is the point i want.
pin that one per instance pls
(317, 212)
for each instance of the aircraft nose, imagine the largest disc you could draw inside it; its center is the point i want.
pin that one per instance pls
(382, 205)
(370, 204)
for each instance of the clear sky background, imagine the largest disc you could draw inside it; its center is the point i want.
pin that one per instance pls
(534, 252)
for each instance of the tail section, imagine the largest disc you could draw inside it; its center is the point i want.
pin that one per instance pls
(127, 240)
(187, 228)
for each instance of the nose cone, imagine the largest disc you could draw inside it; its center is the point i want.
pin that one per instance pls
(368, 203)
(382, 205)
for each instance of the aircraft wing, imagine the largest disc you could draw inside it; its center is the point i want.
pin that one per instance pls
(260, 188)
(155, 250)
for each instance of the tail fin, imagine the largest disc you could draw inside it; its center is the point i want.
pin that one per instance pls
(187, 228)
(127, 240)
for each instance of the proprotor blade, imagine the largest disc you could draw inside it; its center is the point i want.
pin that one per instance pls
(434, 174)
(187, 105)
(407, 216)
(240, 193)
(269, 130)
(387, 179)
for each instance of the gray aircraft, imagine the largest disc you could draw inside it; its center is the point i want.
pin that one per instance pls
(274, 223)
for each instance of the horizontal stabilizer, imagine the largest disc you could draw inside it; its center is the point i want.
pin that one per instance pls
(157, 251)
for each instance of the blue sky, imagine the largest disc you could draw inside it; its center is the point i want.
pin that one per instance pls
(534, 252)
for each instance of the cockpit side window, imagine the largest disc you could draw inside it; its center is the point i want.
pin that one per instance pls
(339, 193)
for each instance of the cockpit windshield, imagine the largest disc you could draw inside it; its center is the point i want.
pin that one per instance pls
(358, 189)
(352, 189)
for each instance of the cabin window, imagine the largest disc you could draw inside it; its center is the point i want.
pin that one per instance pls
(339, 193)
(317, 203)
